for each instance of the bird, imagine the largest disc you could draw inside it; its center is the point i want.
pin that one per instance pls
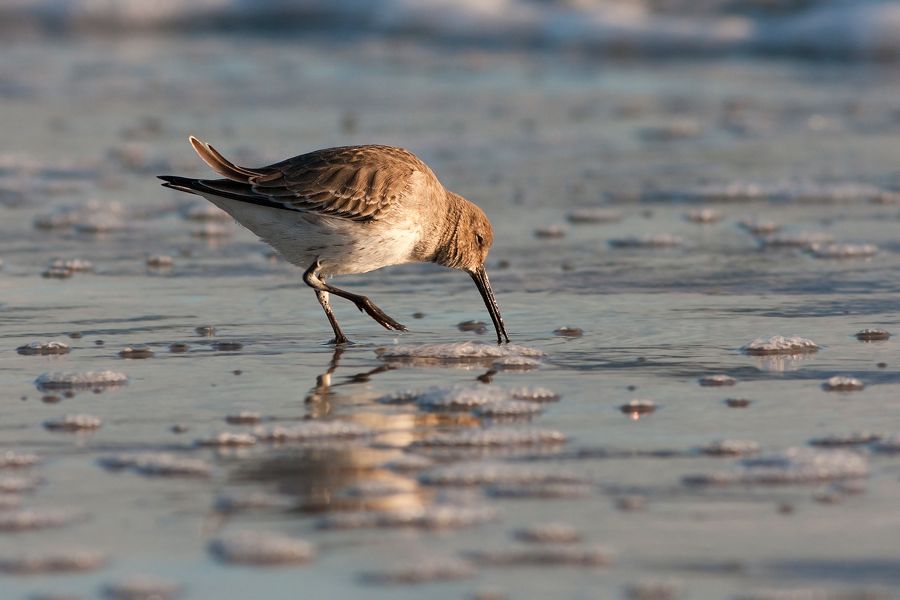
(348, 210)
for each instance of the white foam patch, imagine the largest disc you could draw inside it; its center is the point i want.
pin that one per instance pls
(86, 379)
(310, 431)
(227, 439)
(842, 251)
(43, 348)
(493, 437)
(456, 352)
(842, 383)
(17, 460)
(437, 516)
(18, 485)
(507, 409)
(57, 561)
(256, 548)
(792, 466)
(780, 345)
(485, 473)
(73, 423)
(157, 464)
(717, 380)
(29, 520)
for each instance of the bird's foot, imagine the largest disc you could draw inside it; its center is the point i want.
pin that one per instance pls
(340, 341)
(367, 306)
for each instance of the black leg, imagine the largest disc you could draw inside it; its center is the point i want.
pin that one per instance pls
(312, 279)
(339, 337)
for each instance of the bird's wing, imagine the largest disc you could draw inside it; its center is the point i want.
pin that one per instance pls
(353, 182)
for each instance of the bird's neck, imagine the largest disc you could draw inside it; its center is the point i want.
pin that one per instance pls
(443, 247)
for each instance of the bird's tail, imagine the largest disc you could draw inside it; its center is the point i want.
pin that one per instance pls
(220, 164)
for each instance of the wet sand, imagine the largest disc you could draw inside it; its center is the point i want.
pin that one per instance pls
(385, 476)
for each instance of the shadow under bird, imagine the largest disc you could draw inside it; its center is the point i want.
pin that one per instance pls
(352, 209)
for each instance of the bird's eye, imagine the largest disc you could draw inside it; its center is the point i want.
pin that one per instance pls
(479, 239)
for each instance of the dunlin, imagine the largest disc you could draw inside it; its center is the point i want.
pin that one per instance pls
(352, 209)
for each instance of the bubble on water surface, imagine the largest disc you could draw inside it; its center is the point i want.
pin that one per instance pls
(142, 588)
(79, 380)
(255, 548)
(73, 423)
(29, 520)
(737, 402)
(179, 347)
(792, 466)
(717, 380)
(136, 351)
(543, 556)
(43, 348)
(661, 240)
(779, 345)
(549, 533)
(57, 561)
(843, 251)
(205, 330)
(310, 431)
(871, 335)
(422, 570)
(493, 437)
(842, 383)
(157, 464)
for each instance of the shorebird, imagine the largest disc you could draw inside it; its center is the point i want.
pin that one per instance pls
(352, 209)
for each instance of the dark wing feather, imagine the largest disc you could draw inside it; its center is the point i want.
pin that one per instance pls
(351, 182)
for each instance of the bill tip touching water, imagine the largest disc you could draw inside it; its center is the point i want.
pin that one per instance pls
(352, 209)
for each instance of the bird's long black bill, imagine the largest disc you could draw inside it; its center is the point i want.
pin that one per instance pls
(484, 287)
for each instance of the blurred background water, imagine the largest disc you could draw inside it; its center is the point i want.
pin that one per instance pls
(668, 181)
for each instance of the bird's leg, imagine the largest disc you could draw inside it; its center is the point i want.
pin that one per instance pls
(312, 279)
(339, 337)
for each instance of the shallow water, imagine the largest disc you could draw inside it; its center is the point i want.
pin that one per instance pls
(530, 137)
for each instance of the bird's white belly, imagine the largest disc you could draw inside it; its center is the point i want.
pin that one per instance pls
(341, 246)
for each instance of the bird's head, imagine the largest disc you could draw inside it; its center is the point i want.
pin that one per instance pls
(466, 248)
